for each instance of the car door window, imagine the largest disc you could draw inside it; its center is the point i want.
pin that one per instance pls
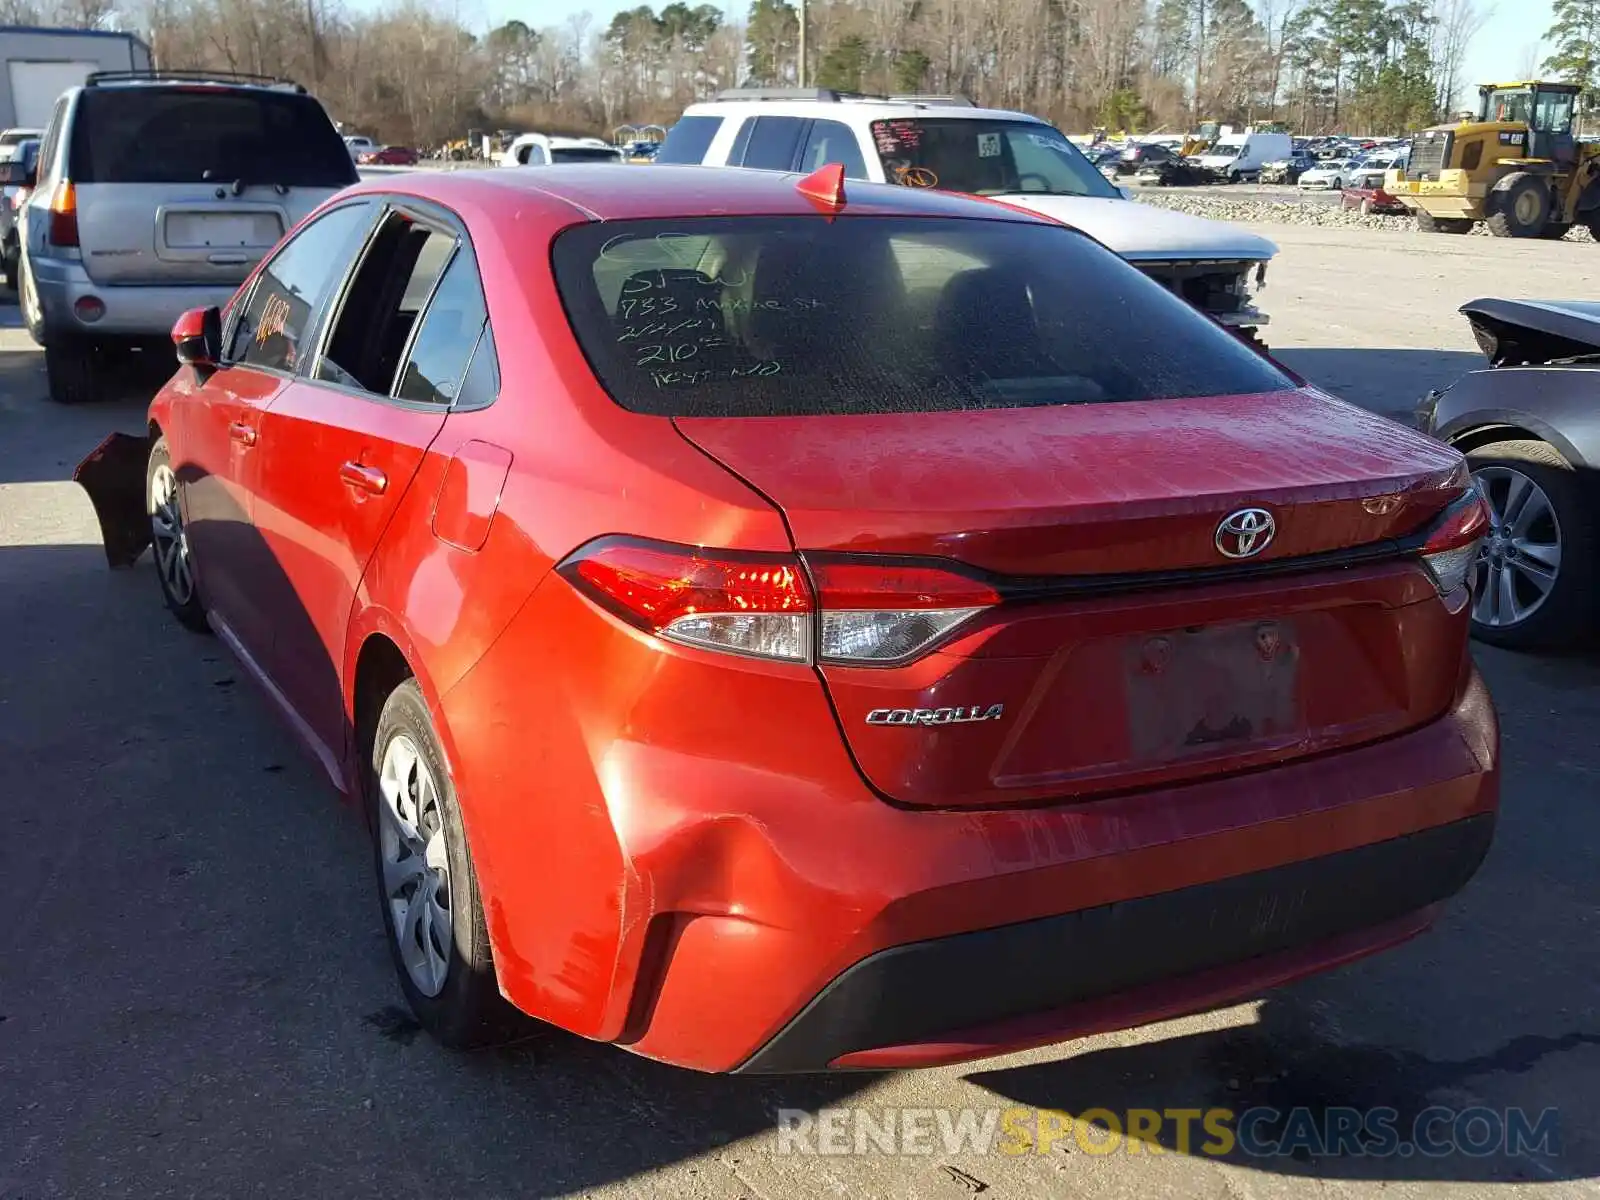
(272, 329)
(450, 330)
(833, 142)
(773, 142)
(388, 291)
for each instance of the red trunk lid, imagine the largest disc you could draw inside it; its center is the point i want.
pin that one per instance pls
(1158, 680)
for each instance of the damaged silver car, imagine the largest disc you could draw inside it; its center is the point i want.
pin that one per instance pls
(1529, 423)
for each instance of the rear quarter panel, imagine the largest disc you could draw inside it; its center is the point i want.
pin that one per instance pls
(1559, 405)
(487, 630)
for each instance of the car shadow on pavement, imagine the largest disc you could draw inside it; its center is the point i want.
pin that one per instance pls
(1299, 1102)
(1389, 382)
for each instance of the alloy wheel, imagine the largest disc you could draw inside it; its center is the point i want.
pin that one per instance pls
(168, 538)
(416, 863)
(1520, 560)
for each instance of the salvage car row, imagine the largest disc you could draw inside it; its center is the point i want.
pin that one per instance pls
(744, 601)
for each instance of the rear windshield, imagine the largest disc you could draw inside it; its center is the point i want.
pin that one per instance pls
(190, 135)
(574, 154)
(782, 316)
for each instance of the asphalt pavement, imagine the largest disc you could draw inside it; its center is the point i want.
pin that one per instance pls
(196, 998)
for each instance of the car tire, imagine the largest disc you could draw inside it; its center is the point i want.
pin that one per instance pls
(420, 854)
(1428, 223)
(74, 370)
(1559, 516)
(1518, 206)
(1555, 231)
(169, 544)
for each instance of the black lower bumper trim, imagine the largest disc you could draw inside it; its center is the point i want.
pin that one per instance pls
(916, 992)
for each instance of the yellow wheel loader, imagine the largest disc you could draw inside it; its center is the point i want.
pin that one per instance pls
(1516, 166)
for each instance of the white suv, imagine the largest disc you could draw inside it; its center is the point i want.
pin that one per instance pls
(946, 142)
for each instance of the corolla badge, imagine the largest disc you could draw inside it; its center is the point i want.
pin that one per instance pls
(936, 716)
(1245, 533)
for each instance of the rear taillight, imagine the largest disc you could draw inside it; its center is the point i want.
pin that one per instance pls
(765, 606)
(64, 215)
(745, 604)
(875, 613)
(1452, 545)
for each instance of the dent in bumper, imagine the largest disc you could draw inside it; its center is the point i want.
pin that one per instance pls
(719, 989)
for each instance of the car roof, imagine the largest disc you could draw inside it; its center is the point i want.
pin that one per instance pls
(601, 193)
(860, 109)
(223, 82)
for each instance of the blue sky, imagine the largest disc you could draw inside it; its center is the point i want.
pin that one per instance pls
(1498, 52)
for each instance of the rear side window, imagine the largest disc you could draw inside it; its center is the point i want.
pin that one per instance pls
(51, 143)
(449, 333)
(833, 142)
(772, 143)
(783, 316)
(688, 140)
(206, 135)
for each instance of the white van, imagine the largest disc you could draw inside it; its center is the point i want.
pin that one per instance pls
(537, 150)
(1242, 155)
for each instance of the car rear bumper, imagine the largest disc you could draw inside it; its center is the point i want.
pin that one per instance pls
(979, 934)
(975, 994)
(715, 886)
(130, 311)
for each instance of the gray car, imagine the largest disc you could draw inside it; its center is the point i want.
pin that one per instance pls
(158, 192)
(1530, 429)
(13, 196)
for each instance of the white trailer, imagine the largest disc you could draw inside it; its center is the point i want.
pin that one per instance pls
(37, 65)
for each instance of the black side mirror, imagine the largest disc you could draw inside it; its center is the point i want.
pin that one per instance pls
(15, 174)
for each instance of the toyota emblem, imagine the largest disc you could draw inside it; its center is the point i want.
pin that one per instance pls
(1245, 533)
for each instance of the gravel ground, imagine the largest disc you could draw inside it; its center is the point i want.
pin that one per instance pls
(1292, 210)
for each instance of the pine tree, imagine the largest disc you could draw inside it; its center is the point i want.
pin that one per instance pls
(773, 35)
(1574, 36)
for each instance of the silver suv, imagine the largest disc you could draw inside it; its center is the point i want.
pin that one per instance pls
(157, 192)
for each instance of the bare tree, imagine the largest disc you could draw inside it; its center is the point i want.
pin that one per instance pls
(1455, 24)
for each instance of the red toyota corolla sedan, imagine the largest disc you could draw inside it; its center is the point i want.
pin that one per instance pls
(776, 625)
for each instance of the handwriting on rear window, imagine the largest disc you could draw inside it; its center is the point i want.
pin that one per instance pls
(670, 379)
(665, 306)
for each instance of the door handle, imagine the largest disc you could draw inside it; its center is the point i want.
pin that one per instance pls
(244, 434)
(364, 478)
